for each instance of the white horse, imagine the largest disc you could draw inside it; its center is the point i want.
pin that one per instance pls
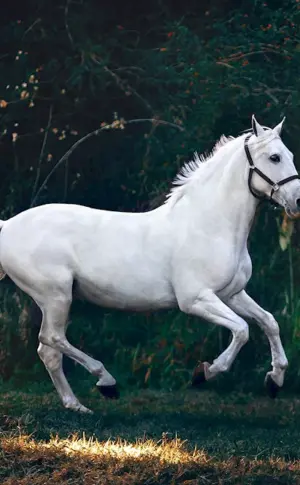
(190, 253)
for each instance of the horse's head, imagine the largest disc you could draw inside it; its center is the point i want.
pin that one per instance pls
(272, 172)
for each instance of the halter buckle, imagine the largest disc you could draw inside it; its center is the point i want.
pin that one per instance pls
(275, 187)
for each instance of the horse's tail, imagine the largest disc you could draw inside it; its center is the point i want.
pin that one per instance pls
(2, 272)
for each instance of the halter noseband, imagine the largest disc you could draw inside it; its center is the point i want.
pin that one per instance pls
(275, 185)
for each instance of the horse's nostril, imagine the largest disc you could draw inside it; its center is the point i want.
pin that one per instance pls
(298, 203)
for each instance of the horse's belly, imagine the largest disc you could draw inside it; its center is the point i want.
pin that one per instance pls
(135, 295)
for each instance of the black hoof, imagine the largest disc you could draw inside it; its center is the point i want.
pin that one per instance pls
(109, 392)
(198, 377)
(271, 387)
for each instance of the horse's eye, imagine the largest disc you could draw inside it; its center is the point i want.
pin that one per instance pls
(275, 158)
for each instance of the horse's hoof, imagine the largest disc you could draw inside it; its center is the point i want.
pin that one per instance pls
(199, 377)
(271, 387)
(109, 392)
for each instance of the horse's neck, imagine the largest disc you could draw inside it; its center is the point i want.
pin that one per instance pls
(220, 196)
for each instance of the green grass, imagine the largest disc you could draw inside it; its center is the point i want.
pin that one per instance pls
(149, 438)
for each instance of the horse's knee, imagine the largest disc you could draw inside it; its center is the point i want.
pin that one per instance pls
(52, 338)
(272, 327)
(242, 333)
(50, 357)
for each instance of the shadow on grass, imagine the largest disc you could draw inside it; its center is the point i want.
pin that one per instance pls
(184, 410)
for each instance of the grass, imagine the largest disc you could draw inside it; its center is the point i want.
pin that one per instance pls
(149, 438)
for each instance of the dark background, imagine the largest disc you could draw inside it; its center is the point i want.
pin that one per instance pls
(69, 66)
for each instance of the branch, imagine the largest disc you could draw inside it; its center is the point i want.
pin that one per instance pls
(130, 68)
(66, 181)
(126, 88)
(270, 91)
(31, 27)
(266, 90)
(38, 172)
(116, 124)
(66, 23)
(220, 63)
(240, 55)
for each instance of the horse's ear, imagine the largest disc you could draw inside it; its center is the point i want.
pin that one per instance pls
(256, 127)
(278, 128)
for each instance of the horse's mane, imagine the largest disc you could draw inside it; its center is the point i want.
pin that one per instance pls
(190, 168)
(187, 172)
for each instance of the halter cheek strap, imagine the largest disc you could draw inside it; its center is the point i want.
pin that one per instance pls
(275, 185)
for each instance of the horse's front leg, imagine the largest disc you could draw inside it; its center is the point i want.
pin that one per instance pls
(242, 304)
(208, 306)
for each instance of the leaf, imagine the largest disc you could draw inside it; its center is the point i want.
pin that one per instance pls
(286, 232)
(147, 374)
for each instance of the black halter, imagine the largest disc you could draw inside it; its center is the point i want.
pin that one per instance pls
(275, 185)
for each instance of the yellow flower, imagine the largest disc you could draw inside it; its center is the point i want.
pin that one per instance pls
(24, 94)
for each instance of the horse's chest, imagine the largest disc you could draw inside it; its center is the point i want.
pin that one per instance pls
(222, 270)
(238, 277)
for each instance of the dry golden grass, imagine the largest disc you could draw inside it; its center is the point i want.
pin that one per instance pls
(88, 461)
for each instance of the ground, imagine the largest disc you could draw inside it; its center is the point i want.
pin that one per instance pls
(149, 437)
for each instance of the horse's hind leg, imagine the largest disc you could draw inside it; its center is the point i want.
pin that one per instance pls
(52, 291)
(52, 360)
(52, 334)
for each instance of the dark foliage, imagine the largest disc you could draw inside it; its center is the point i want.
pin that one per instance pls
(68, 67)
